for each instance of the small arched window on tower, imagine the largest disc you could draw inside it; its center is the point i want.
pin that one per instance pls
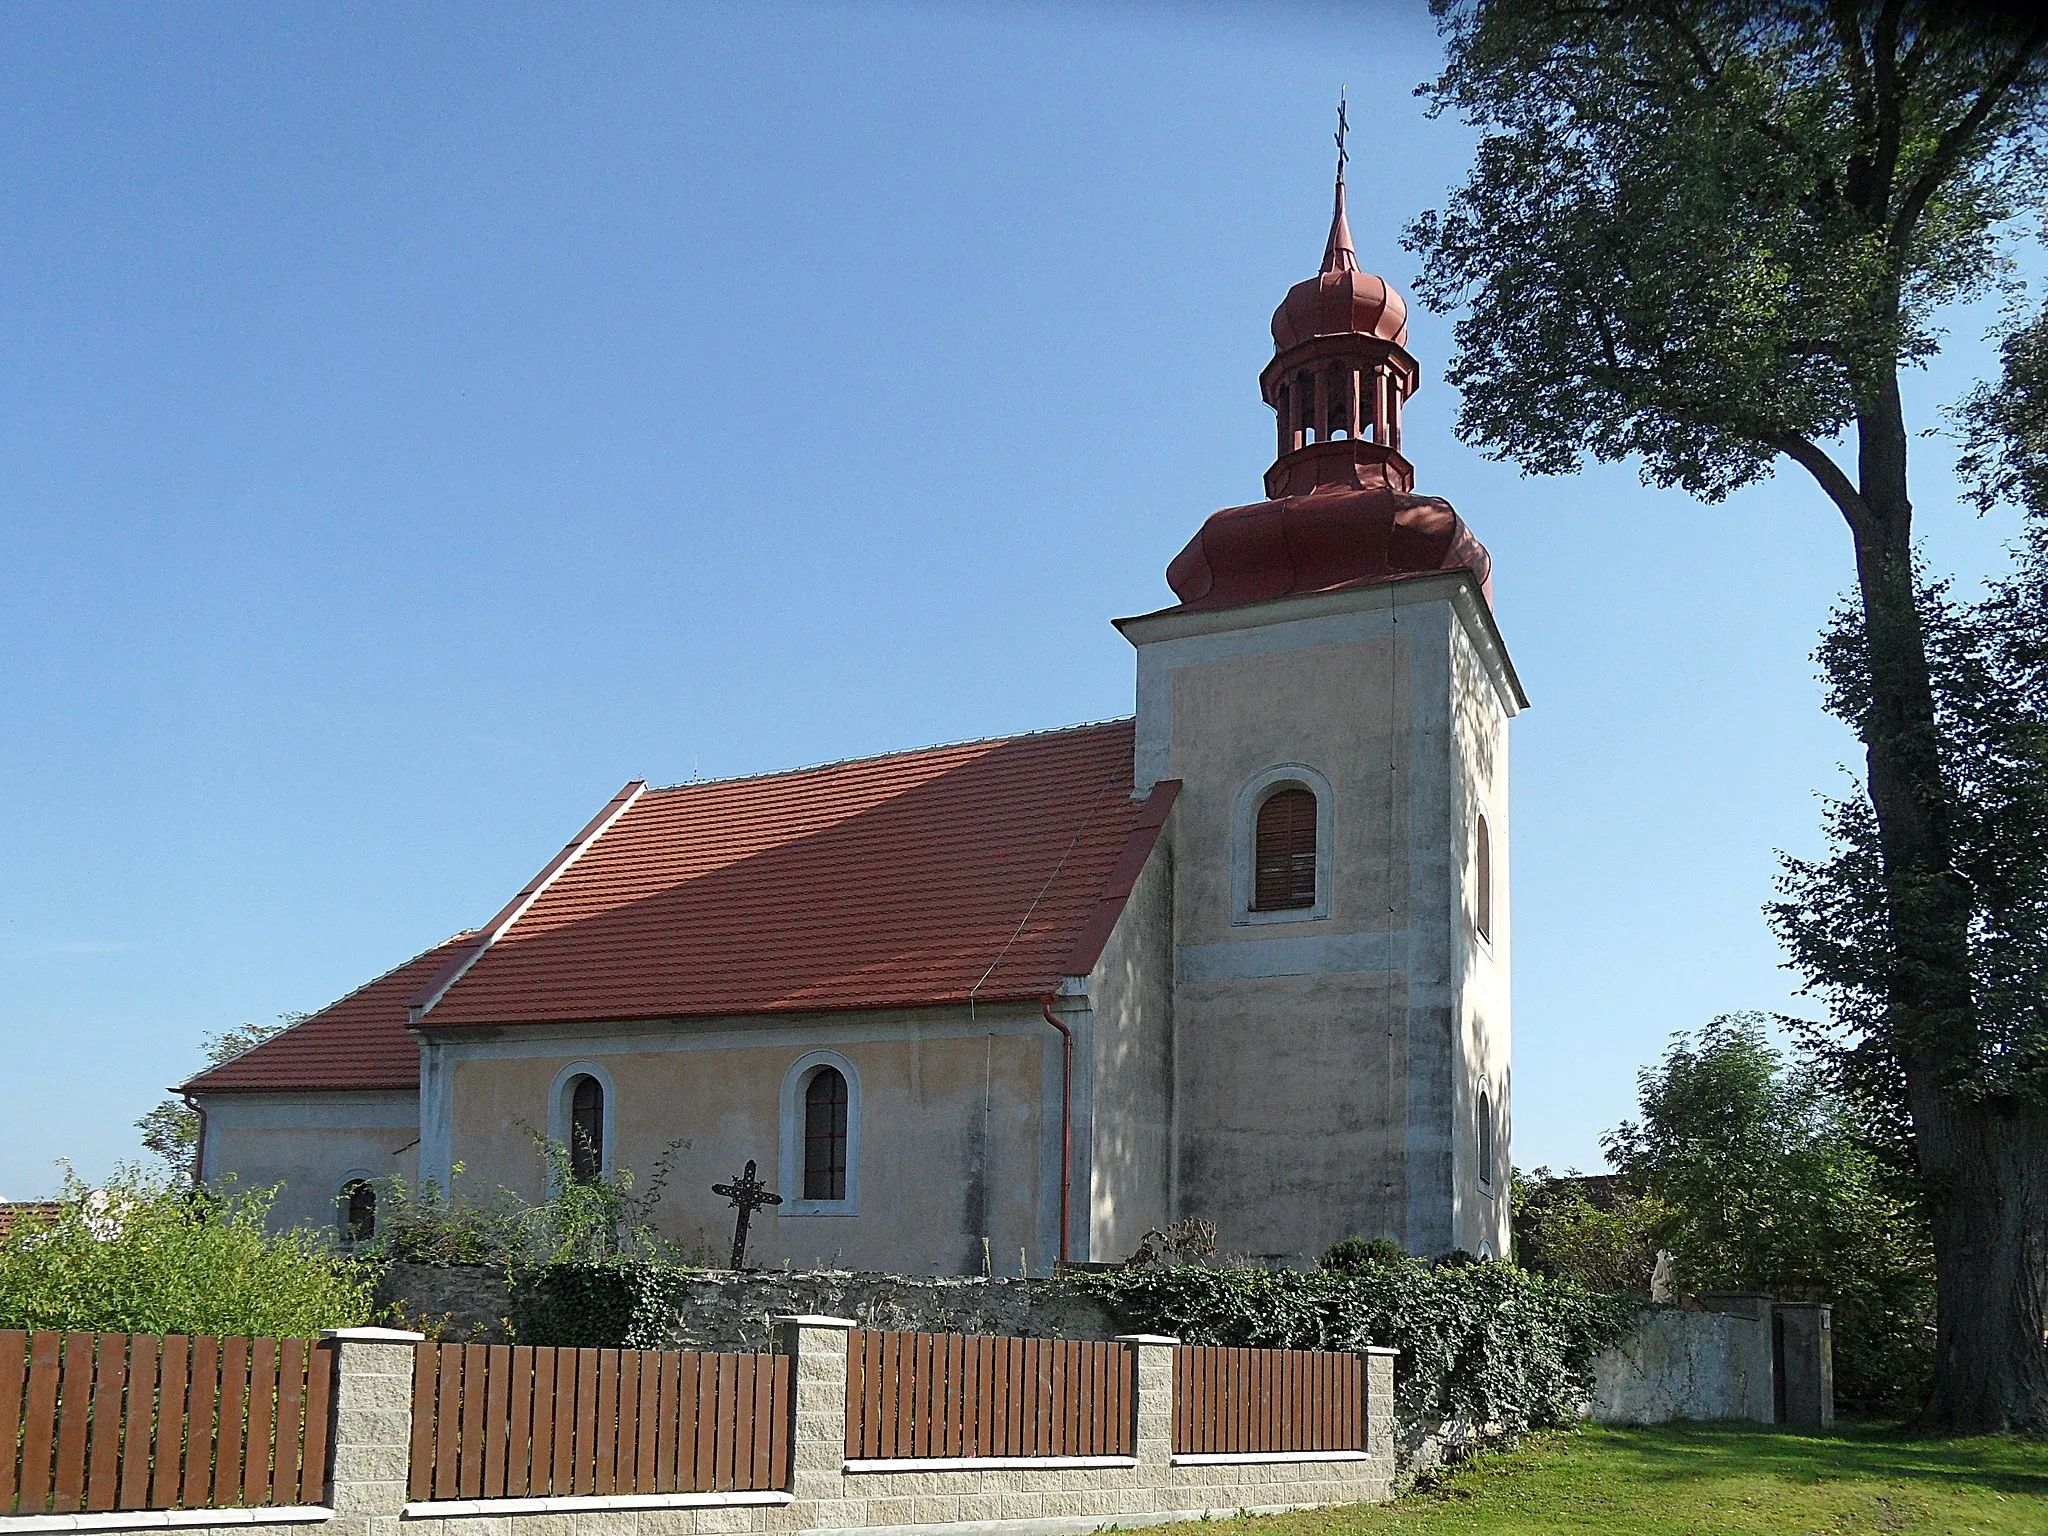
(1485, 1139)
(1482, 880)
(1284, 851)
(825, 1135)
(586, 1129)
(358, 1202)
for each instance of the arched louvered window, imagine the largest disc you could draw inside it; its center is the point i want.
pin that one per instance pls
(1485, 1138)
(1482, 877)
(358, 1211)
(1284, 851)
(825, 1135)
(586, 1129)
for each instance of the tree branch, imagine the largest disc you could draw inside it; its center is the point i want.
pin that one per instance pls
(1840, 488)
(1948, 149)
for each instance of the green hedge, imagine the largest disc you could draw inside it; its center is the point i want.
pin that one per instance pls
(607, 1303)
(1482, 1344)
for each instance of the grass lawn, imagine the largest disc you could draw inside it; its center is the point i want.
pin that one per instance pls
(1710, 1479)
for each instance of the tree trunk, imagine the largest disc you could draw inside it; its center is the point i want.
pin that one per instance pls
(1986, 1168)
(1983, 1162)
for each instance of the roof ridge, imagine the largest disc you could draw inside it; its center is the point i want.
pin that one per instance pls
(883, 757)
(509, 914)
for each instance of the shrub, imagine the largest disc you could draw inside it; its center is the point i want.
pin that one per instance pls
(616, 1303)
(1481, 1344)
(584, 1219)
(1769, 1182)
(1355, 1255)
(143, 1254)
(1610, 1246)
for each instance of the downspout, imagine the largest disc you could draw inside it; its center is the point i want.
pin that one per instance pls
(1066, 1121)
(199, 1146)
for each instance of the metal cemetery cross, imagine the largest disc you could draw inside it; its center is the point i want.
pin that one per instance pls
(746, 1194)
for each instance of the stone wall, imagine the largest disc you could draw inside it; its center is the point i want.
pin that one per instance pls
(1684, 1364)
(729, 1310)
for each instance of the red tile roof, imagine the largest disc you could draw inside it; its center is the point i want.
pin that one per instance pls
(15, 1211)
(361, 1042)
(893, 882)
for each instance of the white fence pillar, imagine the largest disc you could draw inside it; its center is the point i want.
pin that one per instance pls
(370, 1442)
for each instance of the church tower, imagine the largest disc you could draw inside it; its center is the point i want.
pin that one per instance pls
(1333, 697)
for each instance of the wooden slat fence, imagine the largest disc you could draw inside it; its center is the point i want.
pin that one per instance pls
(1251, 1400)
(114, 1421)
(955, 1395)
(498, 1421)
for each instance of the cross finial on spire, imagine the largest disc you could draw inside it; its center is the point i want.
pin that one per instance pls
(1338, 255)
(1343, 128)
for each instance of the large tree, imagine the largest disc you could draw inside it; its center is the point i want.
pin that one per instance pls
(1709, 236)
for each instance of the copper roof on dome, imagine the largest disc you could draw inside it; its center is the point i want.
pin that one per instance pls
(1341, 509)
(1342, 299)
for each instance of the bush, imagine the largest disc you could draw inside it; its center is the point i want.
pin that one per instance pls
(1482, 1344)
(615, 1303)
(1610, 1246)
(1769, 1183)
(143, 1254)
(588, 1219)
(1355, 1255)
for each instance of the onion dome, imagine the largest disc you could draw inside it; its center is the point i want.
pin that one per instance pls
(1341, 299)
(1342, 509)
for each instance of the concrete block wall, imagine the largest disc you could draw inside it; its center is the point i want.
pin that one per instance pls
(1742, 1356)
(828, 1495)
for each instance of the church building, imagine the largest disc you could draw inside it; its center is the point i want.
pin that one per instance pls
(1243, 956)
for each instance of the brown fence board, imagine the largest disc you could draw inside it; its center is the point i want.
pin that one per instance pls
(102, 1422)
(136, 1433)
(1240, 1401)
(167, 1443)
(109, 1386)
(256, 1472)
(13, 1383)
(646, 1420)
(964, 1395)
(291, 1418)
(319, 1425)
(228, 1429)
(491, 1421)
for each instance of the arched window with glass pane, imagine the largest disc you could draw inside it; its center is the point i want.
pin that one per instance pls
(825, 1124)
(586, 1129)
(1284, 851)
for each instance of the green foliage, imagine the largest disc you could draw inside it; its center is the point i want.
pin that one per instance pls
(171, 1130)
(1768, 1184)
(1988, 662)
(1717, 229)
(615, 1303)
(419, 1224)
(1481, 1344)
(143, 1254)
(1354, 1255)
(581, 1221)
(1607, 1247)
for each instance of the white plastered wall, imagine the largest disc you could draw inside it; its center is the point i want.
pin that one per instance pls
(310, 1144)
(1485, 1037)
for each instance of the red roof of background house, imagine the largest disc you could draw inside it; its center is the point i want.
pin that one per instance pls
(13, 1211)
(361, 1042)
(904, 881)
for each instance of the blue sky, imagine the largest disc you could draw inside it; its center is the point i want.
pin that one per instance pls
(418, 421)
